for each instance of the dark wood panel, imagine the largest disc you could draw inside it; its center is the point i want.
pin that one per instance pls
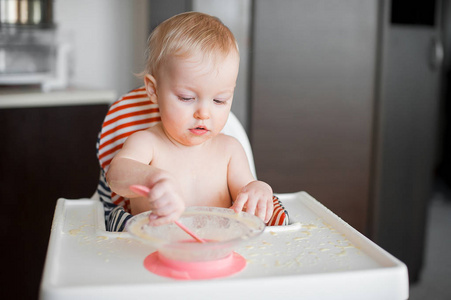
(46, 153)
(313, 77)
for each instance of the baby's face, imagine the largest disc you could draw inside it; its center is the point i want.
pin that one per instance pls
(195, 97)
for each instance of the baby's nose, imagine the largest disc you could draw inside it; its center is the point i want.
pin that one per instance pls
(202, 112)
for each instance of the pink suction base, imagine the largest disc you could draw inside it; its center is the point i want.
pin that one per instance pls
(160, 265)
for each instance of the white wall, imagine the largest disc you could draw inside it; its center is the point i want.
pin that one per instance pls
(108, 38)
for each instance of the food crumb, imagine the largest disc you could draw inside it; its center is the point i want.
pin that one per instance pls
(74, 231)
(309, 226)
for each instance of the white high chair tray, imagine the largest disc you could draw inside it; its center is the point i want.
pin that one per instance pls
(319, 256)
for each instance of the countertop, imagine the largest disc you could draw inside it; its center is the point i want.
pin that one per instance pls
(34, 97)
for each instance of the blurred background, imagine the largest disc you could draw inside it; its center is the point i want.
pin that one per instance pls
(347, 100)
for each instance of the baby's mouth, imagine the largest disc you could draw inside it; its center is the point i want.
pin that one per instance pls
(199, 130)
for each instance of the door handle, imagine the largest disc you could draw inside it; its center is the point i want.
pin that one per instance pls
(437, 54)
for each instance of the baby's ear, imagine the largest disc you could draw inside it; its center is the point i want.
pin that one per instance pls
(151, 87)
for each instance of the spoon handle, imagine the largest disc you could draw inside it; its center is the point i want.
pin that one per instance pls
(144, 191)
(184, 228)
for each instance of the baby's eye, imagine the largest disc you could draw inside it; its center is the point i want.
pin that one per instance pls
(185, 98)
(218, 101)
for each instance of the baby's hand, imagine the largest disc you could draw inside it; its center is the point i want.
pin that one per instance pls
(165, 200)
(256, 198)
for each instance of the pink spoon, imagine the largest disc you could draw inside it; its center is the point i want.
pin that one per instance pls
(144, 191)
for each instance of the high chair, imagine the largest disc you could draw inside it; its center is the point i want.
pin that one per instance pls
(315, 255)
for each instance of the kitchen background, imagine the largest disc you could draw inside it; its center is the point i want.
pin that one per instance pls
(353, 93)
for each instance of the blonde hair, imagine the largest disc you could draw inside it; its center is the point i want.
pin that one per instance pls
(186, 34)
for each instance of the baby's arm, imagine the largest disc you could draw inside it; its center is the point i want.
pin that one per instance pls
(131, 166)
(254, 196)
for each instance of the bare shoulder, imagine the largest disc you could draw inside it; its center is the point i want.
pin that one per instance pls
(143, 136)
(141, 145)
(229, 143)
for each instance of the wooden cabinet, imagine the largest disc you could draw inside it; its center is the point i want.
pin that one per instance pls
(46, 153)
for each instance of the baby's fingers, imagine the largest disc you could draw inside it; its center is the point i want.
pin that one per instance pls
(155, 220)
(261, 210)
(239, 203)
(161, 221)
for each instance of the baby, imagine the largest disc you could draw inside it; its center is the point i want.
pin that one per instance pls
(191, 74)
